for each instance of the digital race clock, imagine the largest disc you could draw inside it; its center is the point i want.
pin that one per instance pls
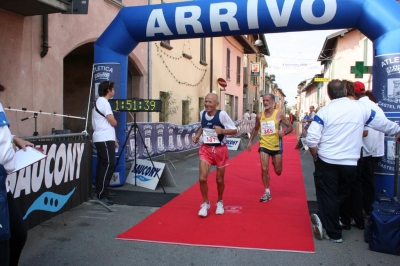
(135, 105)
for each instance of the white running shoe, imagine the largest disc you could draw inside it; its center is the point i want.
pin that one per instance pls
(331, 239)
(317, 227)
(266, 197)
(220, 208)
(203, 209)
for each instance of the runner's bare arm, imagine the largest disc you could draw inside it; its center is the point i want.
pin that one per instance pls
(220, 130)
(254, 132)
(286, 122)
(196, 137)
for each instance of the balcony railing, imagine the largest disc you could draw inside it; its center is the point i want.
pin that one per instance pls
(35, 7)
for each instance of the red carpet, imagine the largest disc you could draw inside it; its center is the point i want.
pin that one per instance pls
(280, 224)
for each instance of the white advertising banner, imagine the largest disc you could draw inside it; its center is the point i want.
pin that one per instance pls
(233, 143)
(148, 176)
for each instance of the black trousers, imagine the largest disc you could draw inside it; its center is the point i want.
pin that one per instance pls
(105, 166)
(333, 183)
(10, 250)
(352, 207)
(368, 184)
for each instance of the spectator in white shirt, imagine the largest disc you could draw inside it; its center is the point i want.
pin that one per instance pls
(334, 140)
(246, 115)
(253, 116)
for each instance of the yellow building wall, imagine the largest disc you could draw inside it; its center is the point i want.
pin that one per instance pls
(184, 79)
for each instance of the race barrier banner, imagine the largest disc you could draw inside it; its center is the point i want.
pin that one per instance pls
(159, 139)
(55, 184)
(164, 137)
(148, 174)
(233, 143)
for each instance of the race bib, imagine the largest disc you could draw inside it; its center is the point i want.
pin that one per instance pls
(268, 128)
(210, 136)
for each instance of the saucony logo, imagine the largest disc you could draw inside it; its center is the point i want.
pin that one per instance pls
(50, 202)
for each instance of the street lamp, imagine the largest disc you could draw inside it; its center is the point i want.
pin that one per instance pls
(258, 42)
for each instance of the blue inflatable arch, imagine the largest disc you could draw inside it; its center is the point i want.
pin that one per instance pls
(379, 20)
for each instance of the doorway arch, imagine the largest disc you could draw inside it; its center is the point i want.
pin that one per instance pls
(77, 66)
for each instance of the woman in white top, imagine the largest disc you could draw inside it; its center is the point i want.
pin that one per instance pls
(10, 249)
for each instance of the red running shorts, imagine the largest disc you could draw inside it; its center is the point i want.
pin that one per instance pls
(214, 155)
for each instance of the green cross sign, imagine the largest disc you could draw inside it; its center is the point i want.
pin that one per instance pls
(359, 69)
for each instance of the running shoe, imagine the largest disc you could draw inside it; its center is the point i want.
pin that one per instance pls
(353, 223)
(220, 208)
(106, 201)
(266, 197)
(110, 194)
(344, 226)
(203, 209)
(331, 239)
(317, 227)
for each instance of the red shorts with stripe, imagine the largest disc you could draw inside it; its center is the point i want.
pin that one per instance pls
(214, 155)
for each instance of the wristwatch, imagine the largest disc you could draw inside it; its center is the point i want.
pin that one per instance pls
(286, 133)
(315, 157)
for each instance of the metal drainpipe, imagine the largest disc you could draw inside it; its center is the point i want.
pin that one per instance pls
(45, 29)
(211, 64)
